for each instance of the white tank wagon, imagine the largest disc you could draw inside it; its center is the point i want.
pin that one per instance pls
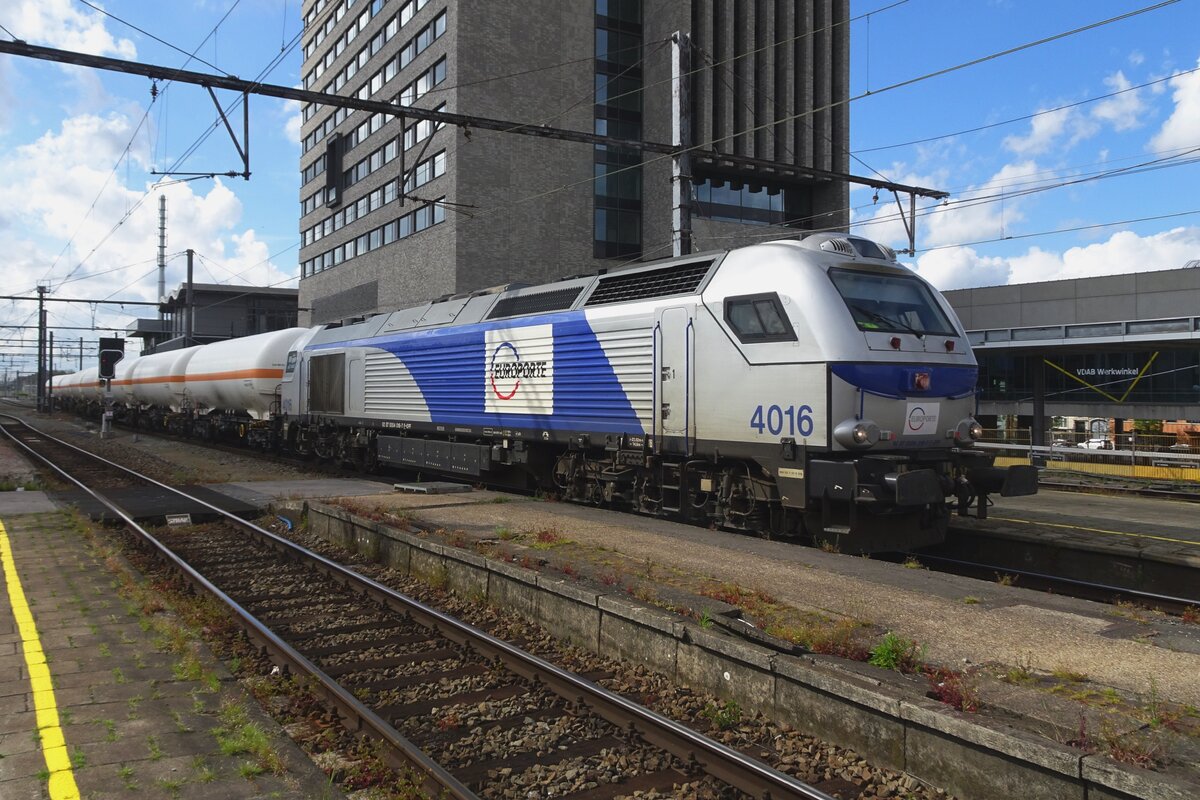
(87, 388)
(122, 386)
(58, 387)
(241, 374)
(158, 379)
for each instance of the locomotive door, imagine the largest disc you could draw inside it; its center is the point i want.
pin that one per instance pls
(674, 420)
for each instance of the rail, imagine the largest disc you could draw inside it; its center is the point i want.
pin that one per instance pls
(723, 763)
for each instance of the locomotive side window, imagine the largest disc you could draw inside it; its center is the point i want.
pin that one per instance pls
(291, 363)
(758, 318)
(890, 303)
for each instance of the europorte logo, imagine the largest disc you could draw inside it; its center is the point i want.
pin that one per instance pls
(519, 370)
(922, 419)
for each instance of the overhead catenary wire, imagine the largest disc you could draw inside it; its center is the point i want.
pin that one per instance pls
(1161, 4)
(130, 211)
(1058, 231)
(125, 152)
(191, 56)
(704, 146)
(1026, 117)
(893, 86)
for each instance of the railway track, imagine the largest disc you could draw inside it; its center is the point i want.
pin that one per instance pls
(473, 715)
(1056, 584)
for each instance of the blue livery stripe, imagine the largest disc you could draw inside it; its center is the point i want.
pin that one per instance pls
(449, 366)
(896, 380)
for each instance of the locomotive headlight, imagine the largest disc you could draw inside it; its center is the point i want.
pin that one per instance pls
(968, 431)
(856, 434)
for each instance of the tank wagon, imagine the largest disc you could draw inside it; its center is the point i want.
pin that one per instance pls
(812, 386)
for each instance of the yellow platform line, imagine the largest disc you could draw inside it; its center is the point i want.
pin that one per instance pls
(54, 746)
(1096, 530)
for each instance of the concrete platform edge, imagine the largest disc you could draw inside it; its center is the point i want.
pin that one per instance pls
(971, 756)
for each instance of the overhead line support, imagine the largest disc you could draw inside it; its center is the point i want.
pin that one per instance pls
(444, 117)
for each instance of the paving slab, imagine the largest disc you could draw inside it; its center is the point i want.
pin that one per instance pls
(263, 493)
(127, 721)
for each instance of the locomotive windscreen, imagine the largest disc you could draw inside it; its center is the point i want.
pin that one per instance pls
(327, 384)
(891, 303)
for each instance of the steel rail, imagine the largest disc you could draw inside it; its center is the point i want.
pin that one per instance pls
(720, 761)
(400, 754)
(1103, 588)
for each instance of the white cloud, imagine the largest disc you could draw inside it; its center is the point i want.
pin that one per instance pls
(65, 25)
(1124, 252)
(1180, 129)
(1123, 112)
(961, 267)
(1136, 58)
(48, 198)
(1043, 131)
(292, 120)
(978, 213)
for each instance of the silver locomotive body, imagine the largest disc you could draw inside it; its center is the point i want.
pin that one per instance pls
(812, 386)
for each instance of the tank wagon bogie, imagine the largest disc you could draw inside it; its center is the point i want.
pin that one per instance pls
(812, 386)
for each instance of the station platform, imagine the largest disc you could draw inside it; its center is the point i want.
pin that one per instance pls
(153, 506)
(90, 704)
(1126, 542)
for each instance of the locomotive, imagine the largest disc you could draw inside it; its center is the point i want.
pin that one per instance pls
(804, 387)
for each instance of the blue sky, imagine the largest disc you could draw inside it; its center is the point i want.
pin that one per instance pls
(78, 205)
(1159, 122)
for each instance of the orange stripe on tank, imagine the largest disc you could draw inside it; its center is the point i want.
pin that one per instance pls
(210, 376)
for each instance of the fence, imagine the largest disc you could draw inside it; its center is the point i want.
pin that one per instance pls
(1128, 456)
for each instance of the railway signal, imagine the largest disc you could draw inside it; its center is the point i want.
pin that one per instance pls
(111, 351)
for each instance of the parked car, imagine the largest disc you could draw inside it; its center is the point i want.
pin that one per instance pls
(1097, 444)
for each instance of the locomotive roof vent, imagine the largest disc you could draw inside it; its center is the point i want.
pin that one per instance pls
(625, 286)
(869, 249)
(536, 303)
(847, 245)
(841, 246)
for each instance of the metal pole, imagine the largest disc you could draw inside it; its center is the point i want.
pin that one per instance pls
(191, 308)
(50, 375)
(41, 356)
(681, 171)
(162, 250)
(81, 354)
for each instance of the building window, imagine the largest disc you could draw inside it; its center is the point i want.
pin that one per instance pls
(428, 215)
(617, 191)
(736, 199)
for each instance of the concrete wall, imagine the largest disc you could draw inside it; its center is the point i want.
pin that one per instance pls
(1147, 295)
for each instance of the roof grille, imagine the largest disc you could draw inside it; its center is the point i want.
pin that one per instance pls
(539, 303)
(839, 246)
(625, 287)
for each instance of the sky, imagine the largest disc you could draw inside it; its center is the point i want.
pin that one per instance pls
(1073, 157)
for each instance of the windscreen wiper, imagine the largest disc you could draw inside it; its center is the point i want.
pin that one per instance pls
(875, 315)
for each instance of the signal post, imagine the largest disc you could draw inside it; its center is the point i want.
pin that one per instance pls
(111, 351)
